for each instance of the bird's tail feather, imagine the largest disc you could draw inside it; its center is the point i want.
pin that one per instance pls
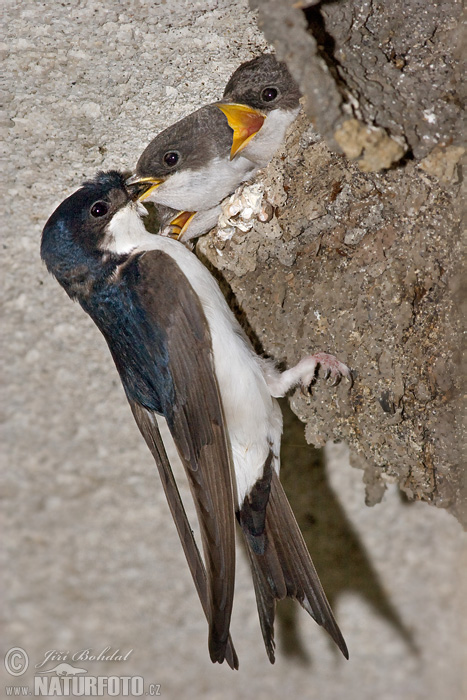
(285, 570)
(148, 426)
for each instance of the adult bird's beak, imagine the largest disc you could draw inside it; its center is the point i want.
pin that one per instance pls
(181, 222)
(245, 122)
(142, 186)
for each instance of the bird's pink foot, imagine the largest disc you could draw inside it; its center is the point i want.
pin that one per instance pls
(332, 367)
(280, 383)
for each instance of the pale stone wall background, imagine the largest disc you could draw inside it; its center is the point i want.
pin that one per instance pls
(90, 557)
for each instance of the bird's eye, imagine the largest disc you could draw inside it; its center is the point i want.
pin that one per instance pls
(269, 94)
(171, 158)
(99, 209)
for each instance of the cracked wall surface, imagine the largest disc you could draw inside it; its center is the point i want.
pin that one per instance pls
(397, 66)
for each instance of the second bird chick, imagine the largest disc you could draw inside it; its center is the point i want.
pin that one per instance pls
(201, 159)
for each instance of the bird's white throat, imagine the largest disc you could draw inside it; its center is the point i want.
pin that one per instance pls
(125, 230)
(269, 138)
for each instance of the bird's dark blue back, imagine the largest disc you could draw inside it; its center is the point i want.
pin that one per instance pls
(138, 346)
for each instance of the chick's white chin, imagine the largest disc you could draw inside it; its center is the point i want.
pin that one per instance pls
(191, 190)
(265, 143)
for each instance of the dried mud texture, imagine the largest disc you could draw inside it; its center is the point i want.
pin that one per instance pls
(368, 64)
(364, 266)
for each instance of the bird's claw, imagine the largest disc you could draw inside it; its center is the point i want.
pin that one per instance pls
(332, 367)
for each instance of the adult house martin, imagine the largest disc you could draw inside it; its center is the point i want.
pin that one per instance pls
(181, 353)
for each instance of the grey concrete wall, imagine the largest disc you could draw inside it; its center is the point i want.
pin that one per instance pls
(90, 557)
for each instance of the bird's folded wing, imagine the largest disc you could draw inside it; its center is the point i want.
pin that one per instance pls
(195, 419)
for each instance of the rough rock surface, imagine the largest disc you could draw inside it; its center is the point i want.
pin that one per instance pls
(365, 266)
(395, 66)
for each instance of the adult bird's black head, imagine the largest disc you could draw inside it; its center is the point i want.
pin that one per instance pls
(72, 244)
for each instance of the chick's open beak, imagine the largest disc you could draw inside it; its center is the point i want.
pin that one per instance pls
(141, 187)
(245, 122)
(181, 222)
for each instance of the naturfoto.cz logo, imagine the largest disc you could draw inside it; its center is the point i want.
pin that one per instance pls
(64, 679)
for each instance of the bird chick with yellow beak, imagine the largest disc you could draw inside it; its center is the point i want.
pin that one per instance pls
(194, 164)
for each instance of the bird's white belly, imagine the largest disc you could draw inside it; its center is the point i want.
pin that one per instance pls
(253, 418)
(252, 415)
(248, 406)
